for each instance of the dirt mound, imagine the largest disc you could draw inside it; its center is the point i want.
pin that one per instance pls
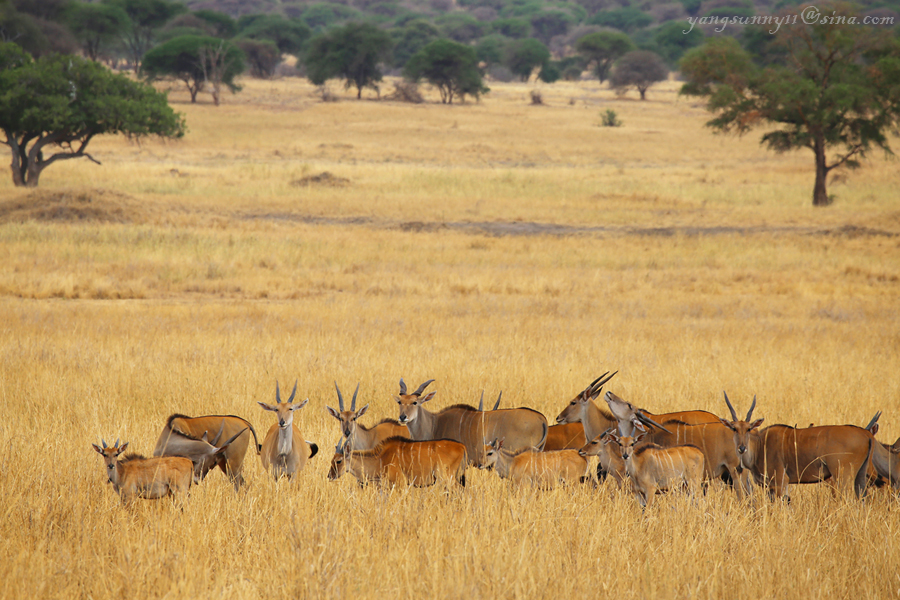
(96, 205)
(324, 178)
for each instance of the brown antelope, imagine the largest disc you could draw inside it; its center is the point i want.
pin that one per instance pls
(627, 416)
(401, 461)
(284, 451)
(716, 441)
(137, 477)
(181, 435)
(609, 457)
(566, 436)
(542, 469)
(594, 419)
(358, 436)
(522, 427)
(653, 468)
(780, 455)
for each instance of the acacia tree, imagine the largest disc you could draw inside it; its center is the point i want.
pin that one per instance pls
(836, 94)
(96, 25)
(62, 102)
(639, 69)
(602, 49)
(524, 56)
(145, 17)
(353, 53)
(449, 66)
(196, 60)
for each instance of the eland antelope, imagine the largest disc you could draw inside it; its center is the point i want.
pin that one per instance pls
(401, 461)
(284, 451)
(542, 469)
(358, 436)
(152, 478)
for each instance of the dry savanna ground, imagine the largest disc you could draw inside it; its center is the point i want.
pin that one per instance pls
(490, 246)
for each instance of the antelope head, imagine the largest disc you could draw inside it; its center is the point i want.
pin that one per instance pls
(491, 454)
(742, 432)
(284, 411)
(626, 443)
(628, 416)
(340, 460)
(110, 458)
(595, 446)
(410, 403)
(575, 411)
(347, 418)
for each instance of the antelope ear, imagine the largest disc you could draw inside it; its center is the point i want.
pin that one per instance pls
(728, 424)
(97, 448)
(756, 423)
(640, 437)
(267, 406)
(122, 448)
(874, 429)
(362, 411)
(299, 406)
(397, 398)
(427, 397)
(332, 412)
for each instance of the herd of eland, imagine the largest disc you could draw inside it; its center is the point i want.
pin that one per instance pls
(645, 452)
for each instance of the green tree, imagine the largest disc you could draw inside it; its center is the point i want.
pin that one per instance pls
(290, 35)
(411, 38)
(449, 66)
(624, 19)
(550, 23)
(524, 56)
(490, 49)
(836, 95)
(353, 52)
(223, 25)
(196, 60)
(602, 49)
(146, 16)
(671, 41)
(512, 27)
(60, 103)
(95, 26)
(639, 69)
(263, 57)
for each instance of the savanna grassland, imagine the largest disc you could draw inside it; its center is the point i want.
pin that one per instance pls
(491, 246)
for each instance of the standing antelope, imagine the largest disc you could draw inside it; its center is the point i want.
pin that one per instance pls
(780, 455)
(181, 434)
(522, 427)
(885, 457)
(357, 435)
(594, 420)
(566, 436)
(137, 477)
(627, 416)
(401, 461)
(284, 451)
(542, 469)
(654, 468)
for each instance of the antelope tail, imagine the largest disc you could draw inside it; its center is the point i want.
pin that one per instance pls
(543, 441)
(313, 448)
(859, 485)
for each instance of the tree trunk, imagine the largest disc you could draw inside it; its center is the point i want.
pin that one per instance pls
(643, 92)
(820, 194)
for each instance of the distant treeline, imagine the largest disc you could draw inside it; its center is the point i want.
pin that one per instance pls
(121, 32)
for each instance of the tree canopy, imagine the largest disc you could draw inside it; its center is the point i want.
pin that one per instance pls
(639, 69)
(449, 66)
(353, 53)
(195, 60)
(60, 103)
(524, 56)
(602, 49)
(837, 94)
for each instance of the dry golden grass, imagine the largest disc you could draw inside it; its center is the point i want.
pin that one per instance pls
(128, 292)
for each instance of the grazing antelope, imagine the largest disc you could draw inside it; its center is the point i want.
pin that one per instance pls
(653, 468)
(284, 451)
(137, 477)
(780, 455)
(885, 465)
(522, 427)
(542, 469)
(628, 417)
(610, 458)
(181, 434)
(358, 436)
(401, 461)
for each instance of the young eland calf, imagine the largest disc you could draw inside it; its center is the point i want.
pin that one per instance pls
(152, 478)
(543, 469)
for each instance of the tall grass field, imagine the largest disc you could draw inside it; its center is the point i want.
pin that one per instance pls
(491, 246)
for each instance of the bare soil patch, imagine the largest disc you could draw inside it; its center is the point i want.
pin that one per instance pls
(324, 178)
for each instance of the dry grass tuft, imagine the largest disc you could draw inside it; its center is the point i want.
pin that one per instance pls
(325, 178)
(72, 205)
